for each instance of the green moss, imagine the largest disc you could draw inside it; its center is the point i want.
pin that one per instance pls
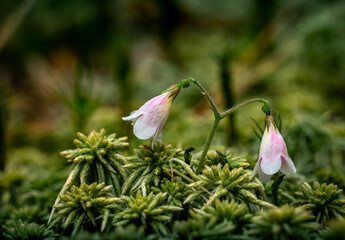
(33, 214)
(27, 231)
(216, 157)
(97, 159)
(283, 223)
(176, 191)
(130, 232)
(147, 168)
(87, 203)
(335, 230)
(224, 210)
(331, 176)
(220, 182)
(151, 211)
(324, 201)
(201, 229)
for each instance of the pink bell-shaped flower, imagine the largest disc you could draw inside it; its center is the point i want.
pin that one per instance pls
(150, 118)
(273, 154)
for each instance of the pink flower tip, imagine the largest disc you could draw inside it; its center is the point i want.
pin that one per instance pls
(273, 154)
(150, 118)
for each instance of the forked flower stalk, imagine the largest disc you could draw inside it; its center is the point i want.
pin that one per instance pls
(218, 116)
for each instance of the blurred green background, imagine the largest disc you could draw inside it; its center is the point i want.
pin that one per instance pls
(73, 65)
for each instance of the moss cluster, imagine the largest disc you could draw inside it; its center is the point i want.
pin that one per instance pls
(157, 194)
(87, 203)
(283, 223)
(148, 167)
(150, 211)
(222, 183)
(20, 230)
(324, 201)
(218, 157)
(100, 152)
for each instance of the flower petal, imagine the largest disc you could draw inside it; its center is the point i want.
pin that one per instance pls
(154, 103)
(270, 164)
(143, 129)
(257, 169)
(257, 166)
(150, 118)
(287, 165)
(135, 114)
(262, 176)
(271, 148)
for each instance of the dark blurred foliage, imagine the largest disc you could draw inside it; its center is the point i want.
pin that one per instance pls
(102, 35)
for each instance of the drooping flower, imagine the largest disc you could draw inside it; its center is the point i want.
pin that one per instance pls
(273, 154)
(150, 118)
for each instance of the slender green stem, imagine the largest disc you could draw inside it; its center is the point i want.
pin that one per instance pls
(207, 145)
(278, 179)
(233, 109)
(205, 93)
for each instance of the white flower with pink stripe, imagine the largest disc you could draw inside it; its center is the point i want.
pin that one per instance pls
(273, 154)
(150, 118)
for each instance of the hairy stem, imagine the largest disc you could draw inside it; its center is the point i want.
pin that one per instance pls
(205, 93)
(233, 109)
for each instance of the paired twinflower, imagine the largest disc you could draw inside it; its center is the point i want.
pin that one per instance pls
(150, 118)
(273, 154)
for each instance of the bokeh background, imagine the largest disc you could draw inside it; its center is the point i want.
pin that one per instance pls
(79, 65)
